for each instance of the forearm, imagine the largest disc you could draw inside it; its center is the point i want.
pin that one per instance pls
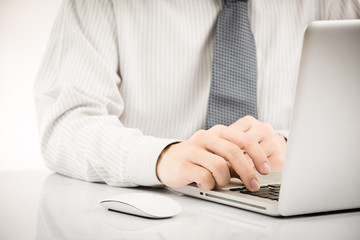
(99, 149)
(79, 103)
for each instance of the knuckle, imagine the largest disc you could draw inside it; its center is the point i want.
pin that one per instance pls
(249, 118)
(250, 139)
(215, 141)
(274, 143)
(267, 127)
(221, 165)
(200, 133)
(223, 182)
(246, 143)
(221, 173)
(218, 129)
(206, 177)
(209, 186)
(233, 151)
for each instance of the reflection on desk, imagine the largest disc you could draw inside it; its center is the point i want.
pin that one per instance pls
(69, 209)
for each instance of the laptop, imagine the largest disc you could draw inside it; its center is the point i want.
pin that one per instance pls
(322, 164)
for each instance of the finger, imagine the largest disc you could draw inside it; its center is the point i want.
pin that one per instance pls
(271, 142)
(268, 147)
(254, 182)
(255, 152)
(261, 131)
(250, 161)
(244, 124)
(277, 162)
(215, 164)
(233, 173)
(247, 143)
(236, 158)
(199, 175)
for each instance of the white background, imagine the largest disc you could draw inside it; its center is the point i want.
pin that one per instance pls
(25, 27)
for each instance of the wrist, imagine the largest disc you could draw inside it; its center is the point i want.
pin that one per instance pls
(161, 156)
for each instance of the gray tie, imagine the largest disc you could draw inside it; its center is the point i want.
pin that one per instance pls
(233, 91)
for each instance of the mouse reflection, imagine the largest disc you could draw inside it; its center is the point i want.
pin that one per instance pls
(70, 209)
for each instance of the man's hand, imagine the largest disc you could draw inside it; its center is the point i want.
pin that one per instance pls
(272, 143)
(211, 157)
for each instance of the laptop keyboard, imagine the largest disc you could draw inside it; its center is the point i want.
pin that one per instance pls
(270, 191)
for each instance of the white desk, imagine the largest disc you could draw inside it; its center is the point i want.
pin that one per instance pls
(43, 205)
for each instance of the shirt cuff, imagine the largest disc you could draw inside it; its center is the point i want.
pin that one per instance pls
(143, 158)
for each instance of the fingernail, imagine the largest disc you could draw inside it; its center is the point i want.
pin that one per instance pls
(266, 168)
(254, 184)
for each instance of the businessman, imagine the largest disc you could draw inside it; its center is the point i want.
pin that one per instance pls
(153, 92)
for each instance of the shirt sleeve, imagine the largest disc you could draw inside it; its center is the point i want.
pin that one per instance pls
(79, 103)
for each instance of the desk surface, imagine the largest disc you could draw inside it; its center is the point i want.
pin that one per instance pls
(44, 205)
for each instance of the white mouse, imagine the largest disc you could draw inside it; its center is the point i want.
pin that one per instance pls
(150, 205)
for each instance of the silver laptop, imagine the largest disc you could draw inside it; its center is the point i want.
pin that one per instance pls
(322, 167)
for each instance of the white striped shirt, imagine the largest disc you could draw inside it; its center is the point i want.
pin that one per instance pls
(121, 79)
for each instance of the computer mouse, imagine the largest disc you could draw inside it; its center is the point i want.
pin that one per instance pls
(149, 205)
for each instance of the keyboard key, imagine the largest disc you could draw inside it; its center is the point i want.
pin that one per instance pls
(269, 192)
(237, 189)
